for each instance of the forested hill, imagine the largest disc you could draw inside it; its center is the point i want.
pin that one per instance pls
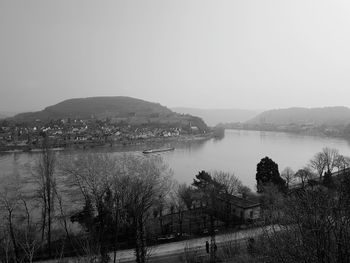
(97, 107)
(116, 108)
(317, 116)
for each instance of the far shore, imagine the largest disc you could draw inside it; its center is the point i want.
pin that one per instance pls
(124, 143)
(303, 133)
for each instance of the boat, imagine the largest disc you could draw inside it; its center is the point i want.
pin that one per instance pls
(158, 150)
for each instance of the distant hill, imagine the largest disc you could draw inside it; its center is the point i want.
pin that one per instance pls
(317, 116)
(130, 110)
(215, 116)
(96, 107)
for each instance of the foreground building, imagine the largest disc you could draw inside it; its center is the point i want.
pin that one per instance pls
(230, 211)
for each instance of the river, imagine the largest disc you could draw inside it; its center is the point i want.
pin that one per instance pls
(238, 152)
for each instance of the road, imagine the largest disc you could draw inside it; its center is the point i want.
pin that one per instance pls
(179, 256)
(173, 252)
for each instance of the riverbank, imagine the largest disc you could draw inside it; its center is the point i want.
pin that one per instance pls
(86, 145)
(313, 133)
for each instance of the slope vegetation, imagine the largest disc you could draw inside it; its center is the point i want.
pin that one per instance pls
(316, 116)
(117, 109)
(96, 107)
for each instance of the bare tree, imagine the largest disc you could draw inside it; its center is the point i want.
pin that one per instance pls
(231, 183)
(28, 239)
(46, 183)
(91, 179)
(288, 175)
(318, 163)
(63, 216)
(185, 193)
(10, 195)
(244, 191)
(19, 227)
(342, 162)
(9, 205)
(118, 190)
(177, 204)
(313, 227)
(303, 175)
(5, 244)
(330, 156)
(148, 178)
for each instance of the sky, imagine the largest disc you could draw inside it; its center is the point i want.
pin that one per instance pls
(249, 54)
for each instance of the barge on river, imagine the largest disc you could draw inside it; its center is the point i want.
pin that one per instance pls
(158, 150)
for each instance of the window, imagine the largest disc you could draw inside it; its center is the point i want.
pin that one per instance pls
(251, 214)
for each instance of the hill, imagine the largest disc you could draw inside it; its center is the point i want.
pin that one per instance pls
(117, 109)
(215, 116)
(317, 116)
(96, 107)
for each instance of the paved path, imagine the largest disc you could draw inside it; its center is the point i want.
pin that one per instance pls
(179, 256)
(171, 252)
(179, 247)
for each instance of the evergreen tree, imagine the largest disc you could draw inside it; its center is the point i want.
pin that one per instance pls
(204, 182)
(267, 173)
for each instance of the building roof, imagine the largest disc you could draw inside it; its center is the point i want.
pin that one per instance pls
(238, 201)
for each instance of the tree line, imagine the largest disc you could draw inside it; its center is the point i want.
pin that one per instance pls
(91, 205)
(305, 215)
(102, 193)
(318, 170)
(309, 222)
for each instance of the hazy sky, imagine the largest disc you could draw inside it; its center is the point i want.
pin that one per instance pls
(257, 54)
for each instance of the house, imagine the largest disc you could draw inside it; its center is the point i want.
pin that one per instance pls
(239, 207)
(229, 210)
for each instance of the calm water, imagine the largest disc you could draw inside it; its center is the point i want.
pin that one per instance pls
(238, 152)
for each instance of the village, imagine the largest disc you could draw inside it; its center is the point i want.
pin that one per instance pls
(82, 133)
